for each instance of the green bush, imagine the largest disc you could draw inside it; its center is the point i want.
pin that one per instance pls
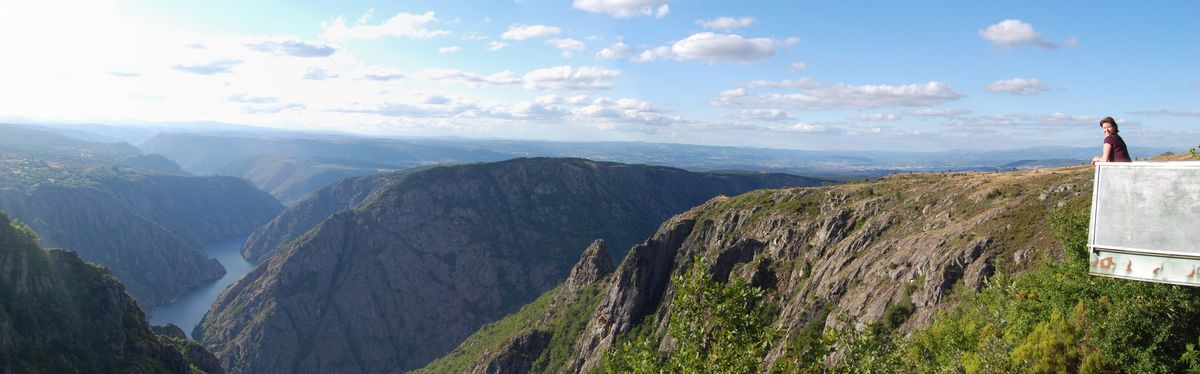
(716, 328)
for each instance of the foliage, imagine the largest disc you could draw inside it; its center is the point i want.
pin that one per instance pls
(715, 327)
(1057, 318)
(59, 313)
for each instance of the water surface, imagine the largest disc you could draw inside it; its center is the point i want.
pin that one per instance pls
(190, 308)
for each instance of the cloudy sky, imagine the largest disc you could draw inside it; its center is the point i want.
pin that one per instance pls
(911, 76)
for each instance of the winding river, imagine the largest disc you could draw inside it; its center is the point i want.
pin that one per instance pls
(190, 308)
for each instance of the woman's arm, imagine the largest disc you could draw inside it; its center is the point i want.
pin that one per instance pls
(1104, 154)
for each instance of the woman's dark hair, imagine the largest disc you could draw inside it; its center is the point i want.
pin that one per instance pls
(1111, 121)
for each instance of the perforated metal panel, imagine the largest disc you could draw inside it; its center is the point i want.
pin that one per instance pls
(1145, 221)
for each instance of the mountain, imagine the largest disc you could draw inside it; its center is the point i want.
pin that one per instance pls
(293, 178)
(892, 252)
(204, 154)
(308, 213)
(147, 226)
(402, 278)
(290, 166)
(1041, 164)
(61, 314)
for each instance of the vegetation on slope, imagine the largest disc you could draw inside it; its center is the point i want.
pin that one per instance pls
(60, 314)
(1052, 318)
(563, 324)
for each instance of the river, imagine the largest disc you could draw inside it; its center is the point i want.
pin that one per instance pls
(190, 308)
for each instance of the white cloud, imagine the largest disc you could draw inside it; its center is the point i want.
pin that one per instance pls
(568, 46)
(705, 46)
(383, 75)
(522, 32)
(654, 54)
(571, 78)
(580, 108)
(293, 47)
(467, 78)
(726, 23)
(209, 68)
(932, 112)
(450, 49)
(786, 83)
(407, 25)
(624, 8)
(1014, 32)
(1168, 112)
(1017, 86)
(876, 117)
(723, 47)
(764, 115)
(798, 66)
(803, 128)
(1071, 42)
(495, 46)
(618, 50)
(1056, 121)
(816, 96)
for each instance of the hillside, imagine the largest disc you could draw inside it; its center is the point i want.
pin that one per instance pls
(308, 213)
(60, 314)
(892, 253)
(405, 276)
(147, 226)
(293, 178)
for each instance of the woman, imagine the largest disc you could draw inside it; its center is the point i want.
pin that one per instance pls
(1114, 146)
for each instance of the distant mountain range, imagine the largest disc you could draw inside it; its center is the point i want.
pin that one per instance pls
(292, 166)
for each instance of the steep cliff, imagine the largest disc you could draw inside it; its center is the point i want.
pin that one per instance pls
(407, 275)
(306, 214)
(60, 314)
(147, 228)
(898, 247)
(154, 264)
(200, 210)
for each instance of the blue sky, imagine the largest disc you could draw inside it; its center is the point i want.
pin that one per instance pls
(891, 75)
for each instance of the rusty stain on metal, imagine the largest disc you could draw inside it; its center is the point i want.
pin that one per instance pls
(1156, 270)
(1129, 268)
(1193, 273)
(1108, 263)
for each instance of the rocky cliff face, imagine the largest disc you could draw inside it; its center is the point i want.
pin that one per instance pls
(60, 314)
(306, 214)
(147, 229)
(855, 249)
(154, 264)
(200, 210)
(404, 277)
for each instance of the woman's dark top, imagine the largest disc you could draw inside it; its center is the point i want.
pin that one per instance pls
(1119, 152)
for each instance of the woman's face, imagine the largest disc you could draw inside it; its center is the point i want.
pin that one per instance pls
(1108, 130)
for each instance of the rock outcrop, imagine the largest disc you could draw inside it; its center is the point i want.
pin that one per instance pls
(405, 276)
(60, 314)
(556, 325)
(854, 250)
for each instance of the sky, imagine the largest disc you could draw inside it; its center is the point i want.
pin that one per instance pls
(861, 75)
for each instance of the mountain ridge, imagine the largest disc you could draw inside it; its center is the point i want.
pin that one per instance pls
(452, 247)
